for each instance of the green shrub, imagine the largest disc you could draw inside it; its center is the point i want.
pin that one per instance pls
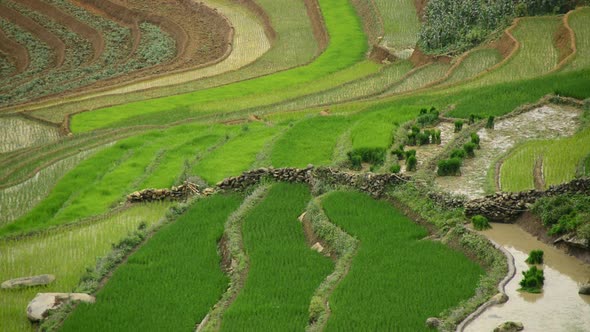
(374, 156)
(533, 280)
(480, 223)
(399, 154)
(423, 138)
(448, 167)
(411, 163)
(395, 168)
(458, 126)
(355, 162)
(490, 123)
(469, 149)
(565, 214)
(428, 117)
(475, 140)
(535, 257)
(410, 153)
(458, 153)
(452, 26)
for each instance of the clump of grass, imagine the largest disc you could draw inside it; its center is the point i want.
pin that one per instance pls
(533, 280)
(480, 223)
(535, 257)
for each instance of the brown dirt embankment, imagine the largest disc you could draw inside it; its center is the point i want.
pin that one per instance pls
(17, 53)
(87, 32)
(317, 24)
(420, 8)
(56, 44)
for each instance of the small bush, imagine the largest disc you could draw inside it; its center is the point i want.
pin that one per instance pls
(490, 123)
(374, 156)
(449, 167)
(423, 138)
(428, 117)
(411, 163)
(533, 280)
(399, 154)
(395, 168)
(355, 162)
(480, 223)
(475, 140)
(458, 126)
(469, 149)
(410, 153)
(535, 257)
(458, 153)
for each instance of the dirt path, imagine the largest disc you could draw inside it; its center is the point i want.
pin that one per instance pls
(89, 33)
(15, 51)
(545, 122)
(56, 44)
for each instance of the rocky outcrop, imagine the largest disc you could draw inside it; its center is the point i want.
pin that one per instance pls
(39, 307)
(250, 178)
(500, 298)
(509, 327)
(505, 207)
(39, 280)
(433, 322)
(374, 184)
(175, 193)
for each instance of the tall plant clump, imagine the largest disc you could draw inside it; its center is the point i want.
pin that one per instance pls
(535, 257)
(532, 280)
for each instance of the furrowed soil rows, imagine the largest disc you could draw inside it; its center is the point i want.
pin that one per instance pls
(171, 282)
(14, 51)
(340, 19)
(250, 43)
(66, 253)
(296, 47)
(91, 35)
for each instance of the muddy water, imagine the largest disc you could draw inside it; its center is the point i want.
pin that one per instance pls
(558, 308)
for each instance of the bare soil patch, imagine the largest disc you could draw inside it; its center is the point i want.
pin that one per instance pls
(56, 44)
(538, 174)
(547, 122)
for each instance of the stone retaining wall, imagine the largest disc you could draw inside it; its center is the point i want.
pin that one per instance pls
(373, 184)
(505, 207)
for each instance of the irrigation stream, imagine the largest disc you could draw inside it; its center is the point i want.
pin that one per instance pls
(558, 308)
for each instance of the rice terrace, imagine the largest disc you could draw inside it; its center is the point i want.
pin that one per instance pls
(295, 165)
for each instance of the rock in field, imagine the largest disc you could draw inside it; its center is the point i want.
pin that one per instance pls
(509, 327)
(500, 298)
(317, 247)
(40, 280)
(433, 322)
(585, 289)
(39, 307)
